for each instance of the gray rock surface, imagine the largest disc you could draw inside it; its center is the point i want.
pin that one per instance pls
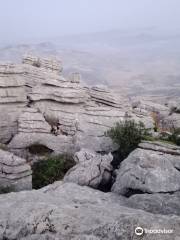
(68, 211)
(165, 204)
(12, 99)
(51, 64)
(162, 147)
(173, 120)
(15, 173)
(149, 106)
(92, 169)
(154, 169)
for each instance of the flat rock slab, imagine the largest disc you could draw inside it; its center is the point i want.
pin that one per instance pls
(68, 211)
(15, 173)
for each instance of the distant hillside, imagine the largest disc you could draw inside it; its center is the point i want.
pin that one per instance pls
(137, 62)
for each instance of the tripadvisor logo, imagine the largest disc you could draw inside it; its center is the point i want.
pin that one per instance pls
(139, 231)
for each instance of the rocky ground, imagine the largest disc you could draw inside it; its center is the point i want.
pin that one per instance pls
(40, 109)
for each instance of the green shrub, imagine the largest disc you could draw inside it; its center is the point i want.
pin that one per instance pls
(174, 110)
(6, 189)
(3, 147)
(50, 170)
(175, 137)
(127, 134)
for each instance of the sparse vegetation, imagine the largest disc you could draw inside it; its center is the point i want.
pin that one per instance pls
(3, 147)
(174, 110)
(6, 189)
(175, 137)
(50, 170)
(127, 134)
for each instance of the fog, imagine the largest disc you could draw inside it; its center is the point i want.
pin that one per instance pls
(40, 20)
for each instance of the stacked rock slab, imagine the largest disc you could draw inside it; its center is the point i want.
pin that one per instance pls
(71, 114)
(12, 99)
(52, 64)
(15, 173)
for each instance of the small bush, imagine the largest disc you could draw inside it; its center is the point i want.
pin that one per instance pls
(175, 137)
(6, 189)
(3, 147)
(174, 110)
(50, 170)
(127, 134)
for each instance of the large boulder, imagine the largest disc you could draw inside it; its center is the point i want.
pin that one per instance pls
(15, 173)
(92, 169)
(68, 211)
(154, 169)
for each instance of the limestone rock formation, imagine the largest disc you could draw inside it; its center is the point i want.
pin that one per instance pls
(102, 94)
(32, 121)
(173, 120)
(92, 169)
(154, 169)
(39, 106)
(68, 211)
(12, 99)
(161, 147)
(51, 64)
(15, 173)
(145, 105)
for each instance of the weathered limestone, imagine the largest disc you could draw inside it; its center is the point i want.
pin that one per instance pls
(75, 77)
(92, 169)
(149, 106)
(102, 94)
(68, 211)
(153, 169)
(39, 101)
(15, 173)
(65, 93)
(12, 99)
(173, 121)
(161, 147)
(157, 203)
(57, 144)
(51, 64)
(32, 121)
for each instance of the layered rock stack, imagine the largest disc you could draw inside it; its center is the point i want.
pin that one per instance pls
(12, 99)
(57, 112)
(15, 173)
(52, 64)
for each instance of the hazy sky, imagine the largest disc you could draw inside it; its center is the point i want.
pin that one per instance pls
(23, 20)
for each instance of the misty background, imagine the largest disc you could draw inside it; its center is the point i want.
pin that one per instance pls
(132, 46)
